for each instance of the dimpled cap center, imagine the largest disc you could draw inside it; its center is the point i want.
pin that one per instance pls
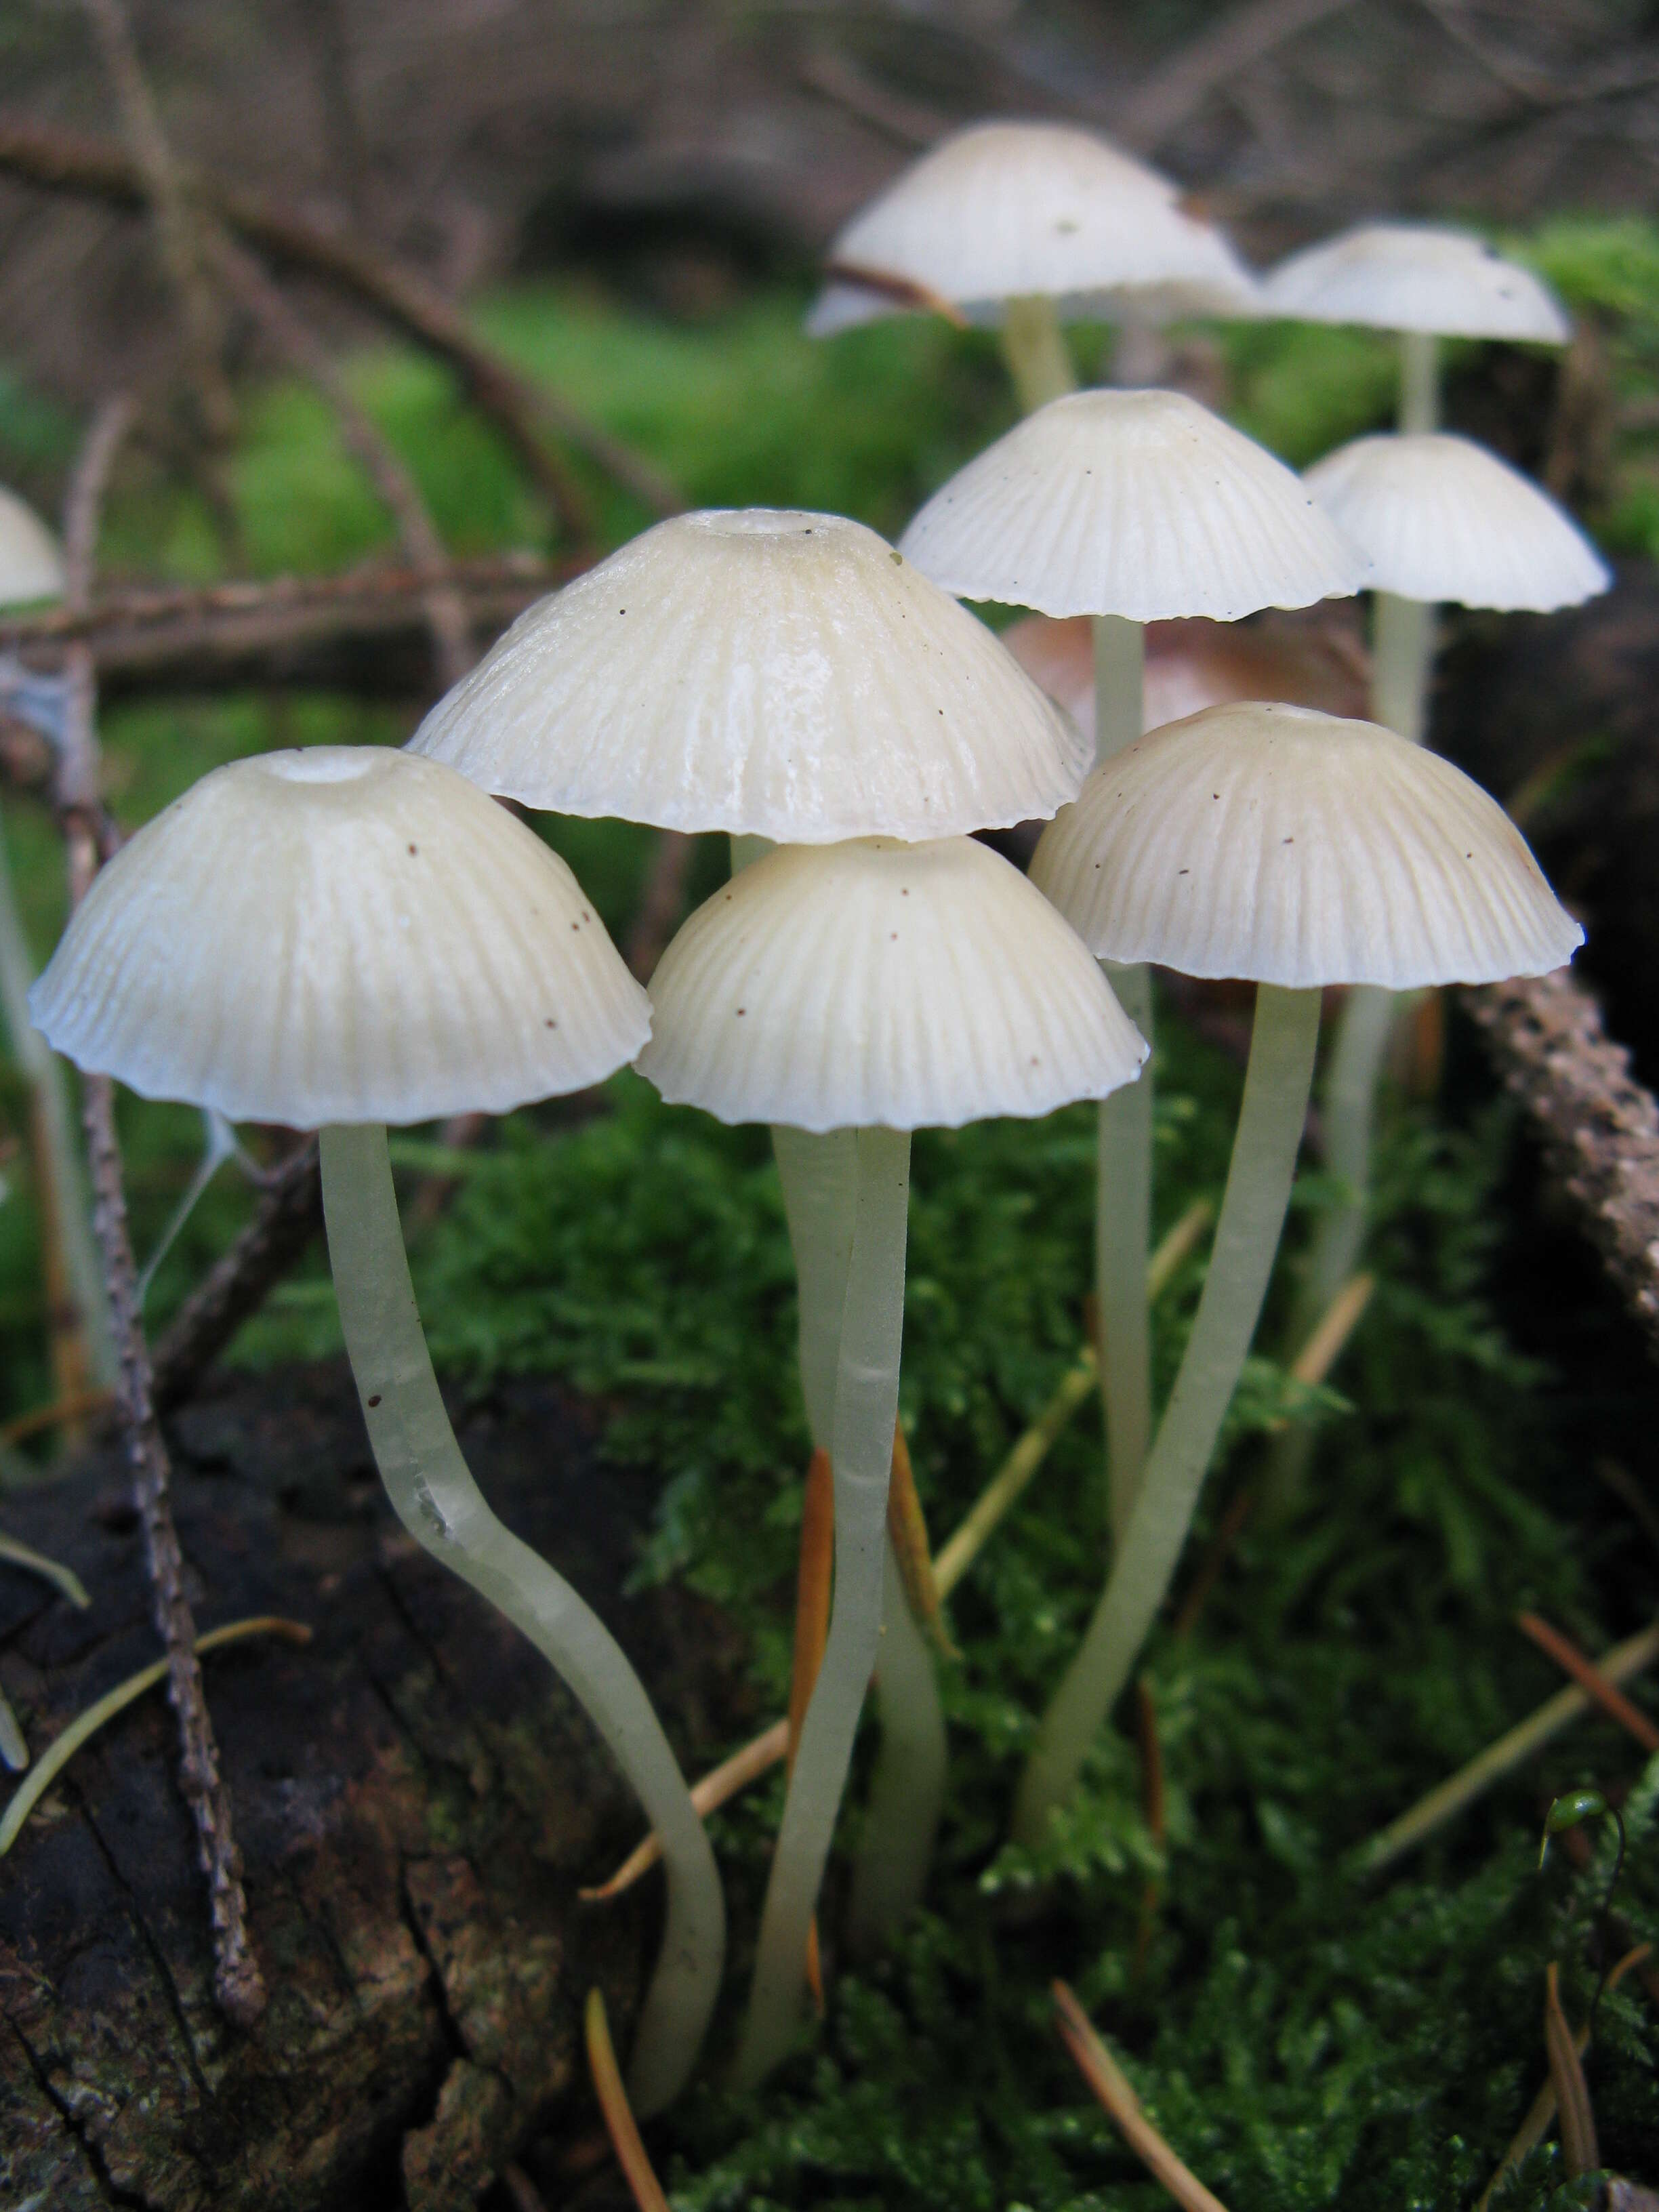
(320, 764)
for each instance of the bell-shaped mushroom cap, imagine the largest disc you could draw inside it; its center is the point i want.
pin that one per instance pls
(1292, 847)
(30, 568)
(1007, 210)
(1136, 503)
(1415, 277)
(1440, 518)
(881, 984)
(774, 674)
(339, 935)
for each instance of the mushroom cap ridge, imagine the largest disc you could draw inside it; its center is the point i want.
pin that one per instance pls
(335, 935)
(1438, 518)
(1287, 846)
(877, 984)
(764, 671)
(1137, 503)
(1009, 210)
(1415, 277)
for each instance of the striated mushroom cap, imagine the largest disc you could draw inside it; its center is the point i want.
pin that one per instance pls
(339, 935)
(30, 565)
(1440, 518)
(1288, 846)
(1008, 210)
(1415, 277)
(770, 673)
(1135, 503)
(881, 984)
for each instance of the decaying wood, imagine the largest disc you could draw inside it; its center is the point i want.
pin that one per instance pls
(418, 1802)
(525, 412)
(1598, 1125)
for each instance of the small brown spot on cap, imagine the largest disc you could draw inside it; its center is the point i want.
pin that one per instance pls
(742, 1011)
(374, 1401)
(412, 848)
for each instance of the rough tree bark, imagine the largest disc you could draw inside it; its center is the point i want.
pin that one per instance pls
(417, 1802)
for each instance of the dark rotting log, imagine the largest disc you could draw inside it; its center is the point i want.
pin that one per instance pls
(416, 1800)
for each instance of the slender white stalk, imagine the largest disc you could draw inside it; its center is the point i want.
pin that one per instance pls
(1419, 382)
(60, 1148)
(1123, 1169)
(866, 1408)
(1247, 1237)
(906, 1790)
(1035, 349)
(819, 1174)
(441, 1506)
(1402, 653)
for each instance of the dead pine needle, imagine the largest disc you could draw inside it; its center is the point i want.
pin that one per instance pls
(1541, 2113)
(717, 1787)
(1590, 1678)
(814, 1580)
(1459, 1790)
(61, 1577)
(86, 1724)
(1111, 2086)
(620, 2123)
(907, 1531)
(1572, 2098)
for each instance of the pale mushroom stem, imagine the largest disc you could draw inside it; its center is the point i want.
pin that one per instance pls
(1402, 650)
(1124, 1175)
(866, 1410)
(1246, 1236)
(439, 1503)
(819, 1174)
(1419, 381)
(1035, 349)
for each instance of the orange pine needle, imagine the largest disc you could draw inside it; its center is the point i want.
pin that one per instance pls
(907, 1532)
(619, 2120)
(1111, 2085)
(1590, 1678)
(722, 1782)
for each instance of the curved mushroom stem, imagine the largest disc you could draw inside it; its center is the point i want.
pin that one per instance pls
(906, 1790)
(1123, 1171)
(1246, 1236)
(441, 1506)
(1034, 347)
(865, 1409)
(819, 1175)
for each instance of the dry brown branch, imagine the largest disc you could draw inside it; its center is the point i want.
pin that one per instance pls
(177, 219)
(662, 902)
(1598, 1125)
(238, 1984)
(1163, 101)
(293, 337)
(525, 412)
(906, 122)
(363, 632)
(1590, 1679)
(288, 1215)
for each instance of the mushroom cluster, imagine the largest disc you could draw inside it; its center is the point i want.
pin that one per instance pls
(342, 938)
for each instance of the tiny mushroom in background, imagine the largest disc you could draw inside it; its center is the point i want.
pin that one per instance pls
(31, 567)
(343, 937)
(1130, 507)
(1438, 518)
(1294, 850)
(1423, 281)
(1024, 225)
(788, 676)
(869, 989)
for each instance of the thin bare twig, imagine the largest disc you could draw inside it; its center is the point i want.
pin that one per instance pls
(620, 2123)
(288, 329)
(288, 1215)
(1162, 101)
(238, 1984)
(1111, 2086)
(176, 218)
(524, 411)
